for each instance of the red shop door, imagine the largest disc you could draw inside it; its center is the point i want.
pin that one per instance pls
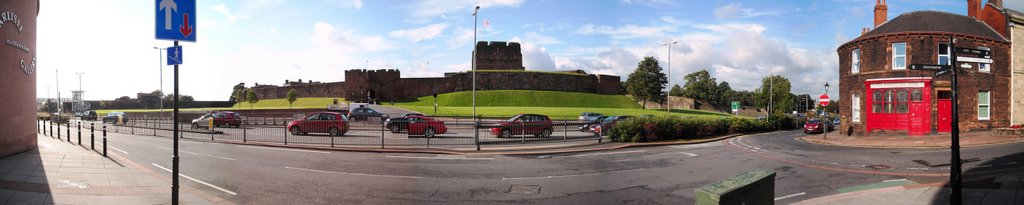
(919, 119)
(945, 119)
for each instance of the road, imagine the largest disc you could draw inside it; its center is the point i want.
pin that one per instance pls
(650, 175)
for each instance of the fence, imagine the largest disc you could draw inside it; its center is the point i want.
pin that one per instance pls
(374, 132)
(53, 129)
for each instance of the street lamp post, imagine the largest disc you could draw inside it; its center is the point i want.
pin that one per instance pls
(476, 135)
(81, 97)
(955, 179)
(668, 96)
(824, 130)
(160, 63)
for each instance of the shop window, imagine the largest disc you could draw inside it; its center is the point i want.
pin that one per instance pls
(985, 67)
(943, 54)
(899, 56)
(915, 95)
(901, 101)
(855, 59)
(855, 108)
(983, 105)
(877, 101)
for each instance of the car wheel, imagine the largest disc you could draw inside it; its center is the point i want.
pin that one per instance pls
(295, 131)
(429, 132)
(334, 131)
(505, 133)
(545, 133)
(394, 128)
(195, 126)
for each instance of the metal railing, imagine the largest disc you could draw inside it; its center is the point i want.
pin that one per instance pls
(47, 128)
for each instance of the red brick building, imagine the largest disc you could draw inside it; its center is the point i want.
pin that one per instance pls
(879, 93)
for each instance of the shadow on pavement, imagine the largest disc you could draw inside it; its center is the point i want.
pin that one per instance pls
(982, 183)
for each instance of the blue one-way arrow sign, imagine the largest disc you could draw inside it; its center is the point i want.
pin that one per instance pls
(176, 20)
(174, 55)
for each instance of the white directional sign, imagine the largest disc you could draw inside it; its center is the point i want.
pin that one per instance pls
(973, 60)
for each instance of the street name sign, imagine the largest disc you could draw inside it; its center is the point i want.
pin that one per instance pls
(928, 67)
(176, 20)
(174, 54)
(971, 51)
(973, 60)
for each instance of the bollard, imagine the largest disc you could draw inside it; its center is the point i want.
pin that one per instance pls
(58, 132)
(104, 140)
(68, 129)
(44, 129)
(92, 136)
(286, 135)
(244, 132)
(132, 126)
(382, 134)
(79, 132)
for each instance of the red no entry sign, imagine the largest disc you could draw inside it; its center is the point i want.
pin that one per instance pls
(823, 100)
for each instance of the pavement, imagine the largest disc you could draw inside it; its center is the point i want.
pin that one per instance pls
(59, 172)
(1010, 190)
(969, 139)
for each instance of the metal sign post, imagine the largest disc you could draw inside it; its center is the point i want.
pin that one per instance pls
(173, 23)
(954, 158)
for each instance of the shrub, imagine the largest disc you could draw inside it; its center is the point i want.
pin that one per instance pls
(654, 128)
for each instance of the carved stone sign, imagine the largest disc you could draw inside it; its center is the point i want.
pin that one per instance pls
(10, 17)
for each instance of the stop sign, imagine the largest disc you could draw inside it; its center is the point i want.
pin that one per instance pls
(823, 100)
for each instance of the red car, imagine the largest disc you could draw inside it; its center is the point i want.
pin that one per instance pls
(428, 127)
(332, 123)
(524, 124)
(816, 126)
(219, 118)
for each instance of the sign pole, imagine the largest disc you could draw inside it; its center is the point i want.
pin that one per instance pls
(174, 157)
(954, 175)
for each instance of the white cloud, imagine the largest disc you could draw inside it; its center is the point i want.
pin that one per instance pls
(669, 19)
(728, 11)
(432, 8)
(326, 36)
(732, 27)
(539, 39)
(419, 34)
(626, 32)
(736, 10)
(352, 4)
(535, 57)
(223, 10)
(460, 37)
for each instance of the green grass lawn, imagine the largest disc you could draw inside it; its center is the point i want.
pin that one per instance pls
(300, 103)
(556, 113)
(525, 98)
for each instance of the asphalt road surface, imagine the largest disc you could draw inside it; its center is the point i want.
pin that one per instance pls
(650, 175)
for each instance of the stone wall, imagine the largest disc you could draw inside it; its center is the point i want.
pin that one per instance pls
(499, 55)
(18, 71)
(1017, 73)
(676, 101)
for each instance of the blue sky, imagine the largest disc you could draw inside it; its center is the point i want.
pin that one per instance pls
(269, 41)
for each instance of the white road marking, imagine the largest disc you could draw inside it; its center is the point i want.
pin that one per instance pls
(606, 153)
(1009, 163)
(355, 174)
(789, 196)
(695, 146)
(564, 176)
(205, 155)
(279, 149)
(458, 157)
(918, 168)
(197, 181)
(895, 180)
(119, 150)
(687, 153)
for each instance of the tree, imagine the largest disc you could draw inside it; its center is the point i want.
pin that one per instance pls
(647, 83)
(291, 97)
(701, 86)
(774, 90)
(725, 95)
(676, 91)
(251, 97)
(238, 94)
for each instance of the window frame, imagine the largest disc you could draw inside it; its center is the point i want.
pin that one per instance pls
(903, 56)
(987, 67)
(987, 105)
(939, 55)
(855, 108)
(855, 61)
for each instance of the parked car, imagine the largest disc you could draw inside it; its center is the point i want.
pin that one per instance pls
(816, 126)
(332, 123)
(424, 126)
(220, 119)
(608, 124)
(589, 116)
(396, 125)
(524, 124)
(114, 117)
(593, 121)
(365, 113)
(88, 115)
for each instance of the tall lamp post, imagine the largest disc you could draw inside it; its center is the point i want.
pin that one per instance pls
(81, 98)
(824, 130)
(160, 63)
(476, 135)
(668, 96)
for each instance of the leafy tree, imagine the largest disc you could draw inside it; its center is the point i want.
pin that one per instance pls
(238, 93)
(701, 86)
(774, 90)
(725, 95)
(291, 97)
(647, 83)
(251, 97)
(676, 91)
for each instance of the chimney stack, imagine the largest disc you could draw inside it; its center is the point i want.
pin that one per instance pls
(881, 12)
(998, 3)
(973, 8)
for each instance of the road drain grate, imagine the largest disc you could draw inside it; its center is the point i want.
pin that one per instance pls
(878, 166)
(524, 189)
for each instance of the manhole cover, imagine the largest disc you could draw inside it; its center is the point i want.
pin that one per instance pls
(878, 166)
(524, 189)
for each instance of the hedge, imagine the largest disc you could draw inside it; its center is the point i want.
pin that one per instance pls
(656, 128)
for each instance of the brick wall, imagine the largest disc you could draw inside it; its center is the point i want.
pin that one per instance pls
(922, 49)
(498, 55)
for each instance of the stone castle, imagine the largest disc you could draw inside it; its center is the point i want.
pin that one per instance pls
(500, 67)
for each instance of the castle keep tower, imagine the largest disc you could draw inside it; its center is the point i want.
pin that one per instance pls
(499, 55)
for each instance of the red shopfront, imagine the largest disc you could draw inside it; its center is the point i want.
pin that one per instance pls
(898, 104)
